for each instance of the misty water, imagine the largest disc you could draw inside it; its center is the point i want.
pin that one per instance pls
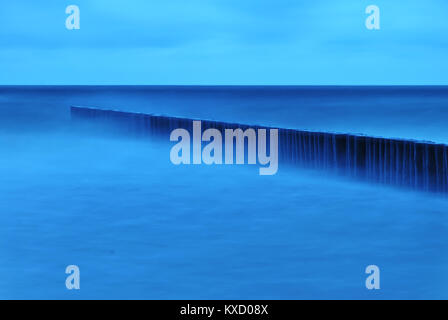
(140, 227)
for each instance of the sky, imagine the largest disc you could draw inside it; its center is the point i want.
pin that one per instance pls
(224, 42)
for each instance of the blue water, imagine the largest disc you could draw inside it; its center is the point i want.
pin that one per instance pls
(411, 112)
(140, 227)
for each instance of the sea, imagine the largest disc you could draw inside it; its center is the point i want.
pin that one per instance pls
(139, 227)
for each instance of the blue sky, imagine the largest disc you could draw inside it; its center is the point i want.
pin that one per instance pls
(224, 42)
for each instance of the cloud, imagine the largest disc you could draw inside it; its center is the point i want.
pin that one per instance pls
(214, 41)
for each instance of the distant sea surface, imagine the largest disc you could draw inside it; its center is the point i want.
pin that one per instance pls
(408, 112)
(139, 227)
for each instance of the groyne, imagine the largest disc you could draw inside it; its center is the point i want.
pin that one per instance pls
(416, 164)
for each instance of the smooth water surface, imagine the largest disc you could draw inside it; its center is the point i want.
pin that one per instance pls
(140, 227)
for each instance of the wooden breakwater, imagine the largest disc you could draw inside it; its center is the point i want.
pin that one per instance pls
(416, 164)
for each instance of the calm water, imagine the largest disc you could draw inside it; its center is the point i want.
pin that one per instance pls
(394, 112)
(139, 227)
